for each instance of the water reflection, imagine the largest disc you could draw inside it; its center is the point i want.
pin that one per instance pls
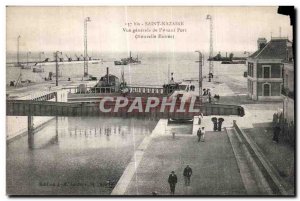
(77, 152)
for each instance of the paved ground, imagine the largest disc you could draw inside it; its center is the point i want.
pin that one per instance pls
(280, 155)
(215, 170)
(256, 123)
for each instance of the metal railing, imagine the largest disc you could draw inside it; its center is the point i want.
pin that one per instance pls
(90, 90)
(97, 90)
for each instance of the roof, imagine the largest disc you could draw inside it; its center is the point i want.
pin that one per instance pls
(274, 49)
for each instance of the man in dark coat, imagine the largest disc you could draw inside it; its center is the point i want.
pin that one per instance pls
(172, 181)
(277, 130)
(199, 134)
(187, 173)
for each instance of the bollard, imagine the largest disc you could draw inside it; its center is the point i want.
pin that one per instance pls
(173, 135)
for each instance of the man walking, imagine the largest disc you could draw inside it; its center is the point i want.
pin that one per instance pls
(199, 134)
(202, 134)
(172, 181)
(187, 173)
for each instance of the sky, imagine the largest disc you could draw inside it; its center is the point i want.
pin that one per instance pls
(62, 28)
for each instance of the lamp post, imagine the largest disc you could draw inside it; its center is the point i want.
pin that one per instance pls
(200, 74)
(85, 65)
(56, 66)
(211, 50)
(18, 51)
(27, 57)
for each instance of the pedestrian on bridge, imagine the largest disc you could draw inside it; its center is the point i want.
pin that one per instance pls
(172, 181)
(187, 173)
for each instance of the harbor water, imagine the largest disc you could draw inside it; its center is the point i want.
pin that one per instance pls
(74, 155)
(153, 69)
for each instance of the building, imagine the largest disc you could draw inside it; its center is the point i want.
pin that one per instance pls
(265, 69)
(288, 87)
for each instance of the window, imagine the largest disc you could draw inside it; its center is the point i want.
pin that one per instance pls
(266, 89)
(266, 71)
(250, 69)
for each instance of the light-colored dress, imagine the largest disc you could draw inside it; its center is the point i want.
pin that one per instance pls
(202, 135)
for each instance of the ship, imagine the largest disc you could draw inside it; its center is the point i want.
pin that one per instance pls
(129, 60)
(37, 70)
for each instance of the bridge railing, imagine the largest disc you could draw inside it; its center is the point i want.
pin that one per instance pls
(90, 90)
(147, 90)
(132, 89)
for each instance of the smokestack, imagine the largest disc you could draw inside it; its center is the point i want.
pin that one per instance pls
(261, 43)
(107, 73)
(226, 54)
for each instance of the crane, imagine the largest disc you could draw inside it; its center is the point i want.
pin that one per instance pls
(77, 57)
(82, 57)
(69, 58)
(61, 59)
(89, 58)
(211, 50)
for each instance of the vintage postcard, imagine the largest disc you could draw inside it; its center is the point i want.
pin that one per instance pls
(150, 100)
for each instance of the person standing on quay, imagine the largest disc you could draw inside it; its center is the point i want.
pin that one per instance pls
(276, 133)
(187, 173)
(202, 134)
(200, 117)
(199, 134)
(172, 181)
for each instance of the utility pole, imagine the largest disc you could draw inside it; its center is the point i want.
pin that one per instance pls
(200, 74)
(86, 65)
(211, 50)
(18, 51)
(56, 66)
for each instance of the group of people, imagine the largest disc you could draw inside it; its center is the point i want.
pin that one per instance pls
(282, 129)
(206, 92)
(201, 134)
(172, 180)
(201, 130)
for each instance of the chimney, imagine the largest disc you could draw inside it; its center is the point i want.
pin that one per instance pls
(107, 74)
(226, 54)
(261, 43)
